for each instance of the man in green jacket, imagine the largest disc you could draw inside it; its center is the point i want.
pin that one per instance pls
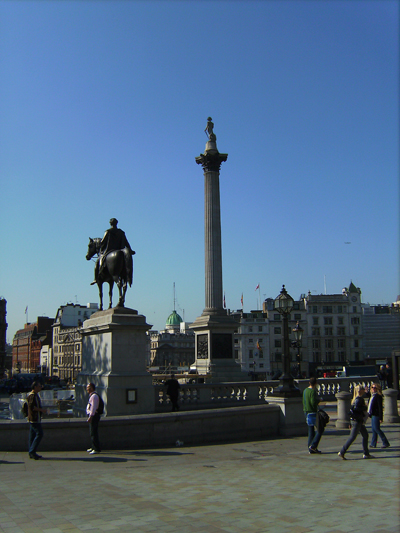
(310, 408)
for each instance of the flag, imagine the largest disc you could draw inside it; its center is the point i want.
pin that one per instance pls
(258, 286)
(241, 299)
(224, 301)
(26, 309)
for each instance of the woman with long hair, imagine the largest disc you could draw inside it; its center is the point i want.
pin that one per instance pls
(358, 415)
(375, 411)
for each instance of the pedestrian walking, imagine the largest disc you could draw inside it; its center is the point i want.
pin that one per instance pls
(310, 408)
(382, 376)
(35, 411)
(358, 416)
(375, 411)
(93, 418)
(389, 376)
(173, 387)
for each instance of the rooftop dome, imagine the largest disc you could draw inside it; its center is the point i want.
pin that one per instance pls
(174, 319)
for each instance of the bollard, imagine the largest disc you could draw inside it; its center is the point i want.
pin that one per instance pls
(343, 408)
(390, 410)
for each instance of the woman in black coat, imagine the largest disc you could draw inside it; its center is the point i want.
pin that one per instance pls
(375, 411)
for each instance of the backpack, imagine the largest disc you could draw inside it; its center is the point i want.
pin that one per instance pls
(100, 409)
(324, 416)
(24, 409)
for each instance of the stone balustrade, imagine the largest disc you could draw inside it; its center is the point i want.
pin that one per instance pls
(210, 395)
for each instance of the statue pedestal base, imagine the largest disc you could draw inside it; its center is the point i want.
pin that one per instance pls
(114, 351)
(214, 347)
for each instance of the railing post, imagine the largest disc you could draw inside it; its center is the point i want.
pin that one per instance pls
(390, 411)
(343, 408)
(253, 391)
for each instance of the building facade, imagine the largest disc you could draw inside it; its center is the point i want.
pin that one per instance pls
(381, 331)
(3, 336)
(27, 344)
(251, 342)
(334, 329)
(174, 346)
(66, 362)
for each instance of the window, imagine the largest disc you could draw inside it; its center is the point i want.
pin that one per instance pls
(340, 320)
(277, 317)
(317, 357)
(297, 316)
(316, 344)
(277, 331)
(296, 306)
(341, 331)
(315, 331)
(250, 354)
(356, 356)
(278, 343)
(355, 343)
(236, 341)
(327, 309)
(355, 330)
(315, 321)
(342, 356)
(260, 341)
(315, 309)
(329, 331)
(260, 328)
(340, 309)
(354, 309)
(328, 320)
(341, 343)
(261, 365)
(236, 354)
(278, 357)
(328, 344)
(250, 329)
(355, 320)
(250, 341)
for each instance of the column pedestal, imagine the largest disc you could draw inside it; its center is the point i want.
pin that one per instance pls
(214, 348)
(114, 351)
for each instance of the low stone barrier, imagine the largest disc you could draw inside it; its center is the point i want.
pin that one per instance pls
(144, 431)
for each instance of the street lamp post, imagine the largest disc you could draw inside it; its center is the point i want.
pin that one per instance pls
(283, 304)
(298, 335)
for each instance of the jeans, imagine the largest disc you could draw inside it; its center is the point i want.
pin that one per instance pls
(35, 436)
(356, 428)
(94, 434)
(376, 430)
(313, 436)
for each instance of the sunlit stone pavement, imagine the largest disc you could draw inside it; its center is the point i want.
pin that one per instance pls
(264, 486)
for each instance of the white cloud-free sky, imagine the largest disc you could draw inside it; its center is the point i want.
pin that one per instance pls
(103, 110)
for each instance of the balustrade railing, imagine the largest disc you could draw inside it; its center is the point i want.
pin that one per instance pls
(209, 395)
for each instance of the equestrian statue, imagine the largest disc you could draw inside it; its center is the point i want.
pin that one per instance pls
(114, 262)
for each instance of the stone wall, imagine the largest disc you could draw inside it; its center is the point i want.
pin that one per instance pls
(153, 430)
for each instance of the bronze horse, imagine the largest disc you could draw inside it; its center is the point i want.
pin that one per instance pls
(116, 267)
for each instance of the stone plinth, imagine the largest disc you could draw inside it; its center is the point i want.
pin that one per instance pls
(390, 411)
(114, 349)
(292, 421)
(343, 409)
(214, 347)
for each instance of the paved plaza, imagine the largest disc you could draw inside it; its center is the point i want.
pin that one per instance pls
(263, 486)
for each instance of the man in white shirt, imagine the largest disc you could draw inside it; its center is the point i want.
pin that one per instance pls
(93, 418)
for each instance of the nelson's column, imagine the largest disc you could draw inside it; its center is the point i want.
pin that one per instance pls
(214, 328)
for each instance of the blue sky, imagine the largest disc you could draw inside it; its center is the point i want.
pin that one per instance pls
(103, 110)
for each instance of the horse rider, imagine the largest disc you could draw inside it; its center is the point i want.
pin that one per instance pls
(114, 239)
